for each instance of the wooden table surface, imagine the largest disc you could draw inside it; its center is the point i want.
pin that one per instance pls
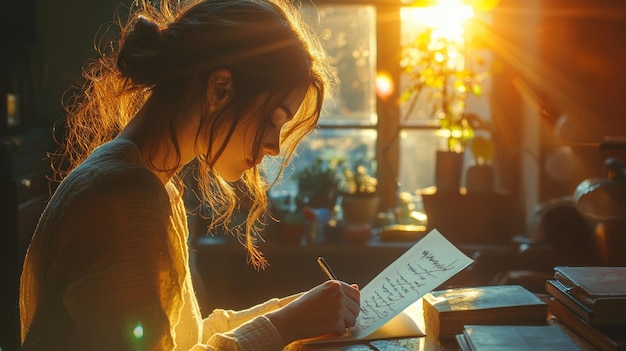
(425, 343)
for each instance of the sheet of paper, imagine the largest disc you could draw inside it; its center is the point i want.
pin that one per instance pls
(407, 324)
(391, 305)
(425, 266)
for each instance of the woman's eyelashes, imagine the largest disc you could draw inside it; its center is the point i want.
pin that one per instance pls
(279, 119)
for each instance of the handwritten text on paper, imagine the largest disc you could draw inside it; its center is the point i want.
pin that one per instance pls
(425, 266)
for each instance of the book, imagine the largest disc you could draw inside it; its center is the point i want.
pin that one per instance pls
(517, 338)
(447, 311)
(561, 293)
(390, 303)
(601, 289)
(605, 337)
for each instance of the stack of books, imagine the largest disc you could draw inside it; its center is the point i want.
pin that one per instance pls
(446, 312)
(515, 338)
(592, 302)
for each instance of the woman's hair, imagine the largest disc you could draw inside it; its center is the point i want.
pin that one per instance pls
(167, 52)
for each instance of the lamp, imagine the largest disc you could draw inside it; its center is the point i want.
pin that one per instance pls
(603, 200)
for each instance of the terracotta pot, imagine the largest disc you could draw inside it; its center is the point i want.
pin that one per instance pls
(359, 209)
(479, 179)
(448, 170)
(358, 234)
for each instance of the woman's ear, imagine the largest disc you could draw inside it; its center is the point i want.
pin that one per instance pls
(219, 88)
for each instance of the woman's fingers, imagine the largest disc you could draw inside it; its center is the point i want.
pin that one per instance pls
(349, 320)
(349, 306)
(328, 308)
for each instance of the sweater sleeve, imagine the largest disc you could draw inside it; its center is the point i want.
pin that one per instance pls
(120, 275)
(249, 326)
(257, 334)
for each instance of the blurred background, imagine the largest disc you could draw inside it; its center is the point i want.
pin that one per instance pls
(527, 96)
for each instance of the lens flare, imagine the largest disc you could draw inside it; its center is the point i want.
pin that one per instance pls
(138, 331)
(384, 85)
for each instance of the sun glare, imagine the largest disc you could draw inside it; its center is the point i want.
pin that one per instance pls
(446, 18)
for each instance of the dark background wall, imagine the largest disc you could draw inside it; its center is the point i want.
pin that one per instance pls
(558, 58)
(582, 43)
(48, 43)
(43, 47)
(583, 69)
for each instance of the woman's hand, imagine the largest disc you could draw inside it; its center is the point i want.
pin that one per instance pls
(329, 308)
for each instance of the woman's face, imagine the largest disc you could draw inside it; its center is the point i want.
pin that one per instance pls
(238, 154)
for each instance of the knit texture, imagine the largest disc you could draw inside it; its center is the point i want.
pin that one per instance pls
(108, 268)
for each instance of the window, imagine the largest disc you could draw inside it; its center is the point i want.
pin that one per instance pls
(348, 125)
(359, 39)
(418, 133)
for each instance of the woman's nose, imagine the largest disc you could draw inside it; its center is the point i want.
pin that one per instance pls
(271, 149)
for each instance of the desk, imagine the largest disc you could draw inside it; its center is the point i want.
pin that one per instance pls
(419, 343)
(425, 343)
(422, 344)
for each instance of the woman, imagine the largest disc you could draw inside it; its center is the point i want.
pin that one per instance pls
(223, 82)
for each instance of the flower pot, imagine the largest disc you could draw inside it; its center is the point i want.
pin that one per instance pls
(448, 170)
(359, 209)
(322, 200)
(479, 179)
(358, 234)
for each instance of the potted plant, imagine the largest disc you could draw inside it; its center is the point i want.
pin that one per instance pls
(441, 75)
(359, 201)
(318, 183)
(287, 223)
(318, 190)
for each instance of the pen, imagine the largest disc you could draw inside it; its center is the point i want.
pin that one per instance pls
(326, 268)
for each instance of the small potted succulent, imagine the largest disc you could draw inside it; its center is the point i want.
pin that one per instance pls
(287, 223)
(318, 183)
(318, 190)
(359, 201)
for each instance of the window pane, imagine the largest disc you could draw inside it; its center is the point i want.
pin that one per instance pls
(420, 112)
(355, 145)
(437, 61)
(475, 59)
(348, 34)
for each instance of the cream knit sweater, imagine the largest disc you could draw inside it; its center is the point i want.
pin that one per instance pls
(108, 269)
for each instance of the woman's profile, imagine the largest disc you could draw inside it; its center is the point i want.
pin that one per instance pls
(223, 83)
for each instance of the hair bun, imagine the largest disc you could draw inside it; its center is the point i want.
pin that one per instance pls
(140, 57)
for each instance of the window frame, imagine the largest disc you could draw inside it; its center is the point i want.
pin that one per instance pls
(388, 125)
